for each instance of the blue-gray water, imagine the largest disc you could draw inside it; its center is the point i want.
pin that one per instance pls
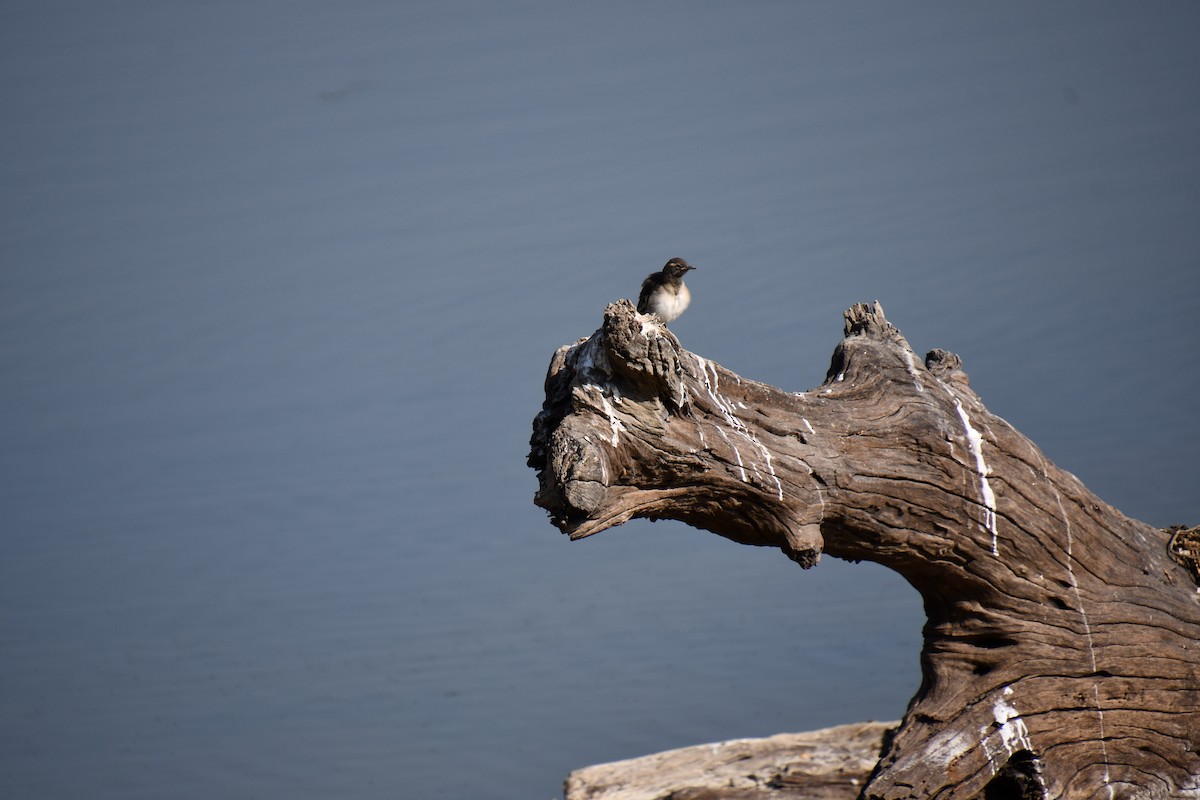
(280, 282)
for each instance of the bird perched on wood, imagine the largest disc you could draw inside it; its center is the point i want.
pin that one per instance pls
(664, 293)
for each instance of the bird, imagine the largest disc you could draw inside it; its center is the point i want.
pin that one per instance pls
(664, 293)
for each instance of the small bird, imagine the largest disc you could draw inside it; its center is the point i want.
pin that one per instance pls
(664, 293)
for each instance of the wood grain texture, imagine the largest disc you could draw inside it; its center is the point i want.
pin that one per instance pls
(829, 764)
(1061, 655)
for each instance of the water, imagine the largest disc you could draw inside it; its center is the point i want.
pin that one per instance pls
(280, 283)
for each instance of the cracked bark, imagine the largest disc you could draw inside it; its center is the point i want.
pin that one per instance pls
(1061, 651)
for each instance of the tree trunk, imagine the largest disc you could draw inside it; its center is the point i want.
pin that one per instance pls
(1061, 651)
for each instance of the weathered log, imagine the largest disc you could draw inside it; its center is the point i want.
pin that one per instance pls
(1061, 656)
(829, 764)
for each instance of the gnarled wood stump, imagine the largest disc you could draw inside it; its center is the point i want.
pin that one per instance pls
(1061, 655)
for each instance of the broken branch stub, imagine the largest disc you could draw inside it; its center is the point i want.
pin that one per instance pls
(1062, 647)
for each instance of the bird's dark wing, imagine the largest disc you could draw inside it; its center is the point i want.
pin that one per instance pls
(648, 286)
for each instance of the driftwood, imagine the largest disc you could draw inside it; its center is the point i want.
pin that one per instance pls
(829, 764)
(1061, 655)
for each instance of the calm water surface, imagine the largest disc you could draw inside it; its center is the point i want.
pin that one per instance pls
(280, 282)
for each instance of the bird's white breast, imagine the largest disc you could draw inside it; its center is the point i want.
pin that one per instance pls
(668, 304)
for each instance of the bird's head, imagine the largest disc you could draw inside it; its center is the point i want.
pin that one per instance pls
(676, 267)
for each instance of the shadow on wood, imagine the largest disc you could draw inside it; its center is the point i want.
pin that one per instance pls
(1061, 655)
